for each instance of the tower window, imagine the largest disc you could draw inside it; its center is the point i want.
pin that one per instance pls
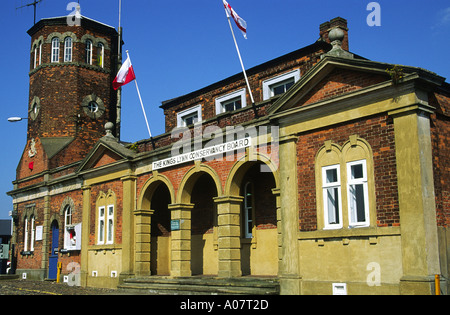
(93, 107)
(55, 49)
(68, 49)
(89, 52)
(100, 54)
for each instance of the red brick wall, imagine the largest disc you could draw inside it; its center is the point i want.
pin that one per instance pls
(341, 81)
(208, 97)
(440, 136)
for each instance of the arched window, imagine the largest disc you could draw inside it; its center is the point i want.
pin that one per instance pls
(35, 57)
(55, 49)
(106, 218)
(33, 232)
(89, 52)
(346, 195)
(69, 229)
(68, 48)
(100, 54)
(25, 234)
(40, 53)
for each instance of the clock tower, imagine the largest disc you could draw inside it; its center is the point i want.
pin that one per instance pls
(71, 96)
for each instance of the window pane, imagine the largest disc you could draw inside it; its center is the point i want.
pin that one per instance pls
(357, 206)
(357, 171)
(332, 176)
(189, 120)
(289, 85)
(278, 90)
(333, 205)
(110, 229)
(101, 230)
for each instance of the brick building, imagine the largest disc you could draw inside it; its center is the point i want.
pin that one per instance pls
(332, 181)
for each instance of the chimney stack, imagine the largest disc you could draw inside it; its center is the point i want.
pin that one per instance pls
(326, 27)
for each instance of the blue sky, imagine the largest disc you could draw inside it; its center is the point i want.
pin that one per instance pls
(180, 46)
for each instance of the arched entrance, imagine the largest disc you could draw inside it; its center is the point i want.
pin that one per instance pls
(153, 233)
(254, 182)
(259, 249)
(160, 232)
(199, 245)
(204, 258)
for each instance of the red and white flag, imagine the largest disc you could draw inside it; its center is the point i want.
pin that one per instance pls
(125, 75)
(240, 22)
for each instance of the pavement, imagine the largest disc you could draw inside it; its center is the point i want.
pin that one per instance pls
(26, 287)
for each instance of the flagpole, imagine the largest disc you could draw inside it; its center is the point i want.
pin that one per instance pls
(142, 104)
(240, 58)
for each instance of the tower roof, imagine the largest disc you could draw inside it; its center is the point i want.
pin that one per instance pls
(62, 20)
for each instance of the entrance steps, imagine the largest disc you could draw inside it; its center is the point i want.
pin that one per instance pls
(201, 285)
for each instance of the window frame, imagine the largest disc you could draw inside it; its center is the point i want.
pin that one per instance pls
(33, 233)
(68, 226)
(25, 240)
(68, 49)
(101, 227)
(359, 181)
(35, 57)
(181, 116)
(55, 50)
(101, 55)
(222, 100)
(109, 231)
(89, 51)
(325, 187)
(267, 84)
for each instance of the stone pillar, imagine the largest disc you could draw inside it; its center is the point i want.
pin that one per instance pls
(289, 228)
(276, 192)
(420, 249)
(228, 211)
(129, 197)
(85, 235)
(181, 240)
(143, 219)
(46, 236)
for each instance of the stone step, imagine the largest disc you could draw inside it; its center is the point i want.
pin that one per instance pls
(201, 285)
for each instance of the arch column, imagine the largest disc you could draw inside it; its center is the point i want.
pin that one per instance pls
(143, 219)
(181, 240)
(228, 211)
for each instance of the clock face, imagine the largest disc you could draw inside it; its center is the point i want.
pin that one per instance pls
(93, 106)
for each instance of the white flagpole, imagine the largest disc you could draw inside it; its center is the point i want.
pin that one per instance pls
(142, 104)
(240, 58)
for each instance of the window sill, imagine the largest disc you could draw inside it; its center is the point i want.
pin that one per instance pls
(350, 232)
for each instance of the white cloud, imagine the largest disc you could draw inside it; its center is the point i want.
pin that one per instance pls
(443, 17)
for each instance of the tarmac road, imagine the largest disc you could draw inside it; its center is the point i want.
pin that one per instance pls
(25, 287)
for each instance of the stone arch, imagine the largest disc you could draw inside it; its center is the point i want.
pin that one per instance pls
(238, 170)
(190, 178)
(67, 202)
(149, 188)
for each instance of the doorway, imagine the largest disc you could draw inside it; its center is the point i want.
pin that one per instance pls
(53, 260)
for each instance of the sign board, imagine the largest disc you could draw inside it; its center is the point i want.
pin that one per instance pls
(39, 233)
(4, 251)
(175, 225)
(218, 149)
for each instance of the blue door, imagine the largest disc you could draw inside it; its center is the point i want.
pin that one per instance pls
(53, 261)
